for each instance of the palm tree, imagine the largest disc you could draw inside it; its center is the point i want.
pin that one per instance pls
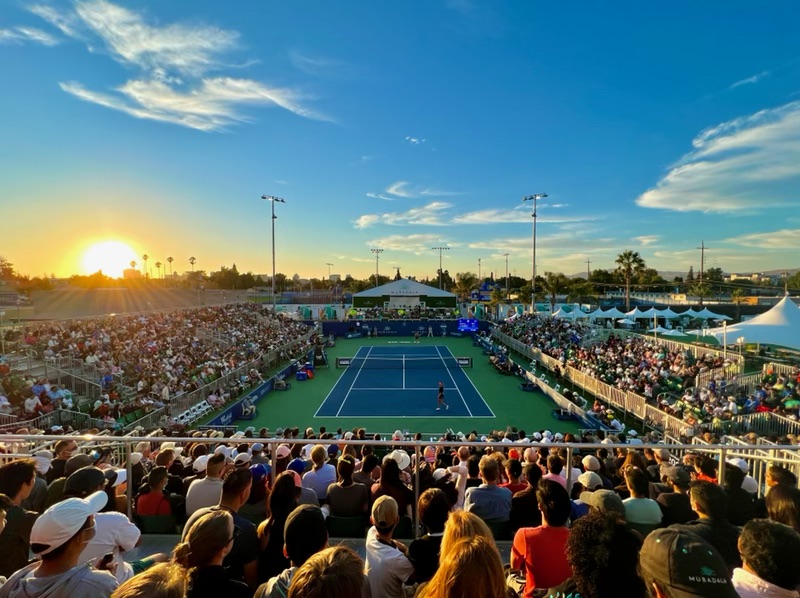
(145, 258)
(496, 299)
(192, 261)
(629, 263)
(133, 264)
(554, 284)
(170, 260)
(158, 267)
(465, 282)
(580, 291)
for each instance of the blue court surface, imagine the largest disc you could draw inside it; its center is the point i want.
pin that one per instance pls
(403, 382)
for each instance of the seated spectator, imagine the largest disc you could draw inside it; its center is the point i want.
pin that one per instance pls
(513, 469)
(674, 562)
(206, 542)
(207, 491)
(639, 509)
(165, 580)
(241, 562)
(541, 550)
(741, 505)
(282, 501)
(783, 505)
(58, 538)
(345, 497)
(322, 474)
(255, 509)
(769, 561)
(155, 501)
(554, 468)
(675, 504)
(602, 553)
(605, 500)
(304, 535)
(335, 572)
(488, 501)
(434, 508)
(55, 491)
(471, 567)
(390, 484)
(524, 507)
(708, 501)
(17, 480)
(387, 564)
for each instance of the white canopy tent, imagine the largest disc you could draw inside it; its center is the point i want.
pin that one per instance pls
(778, 326)
(707, 314)
(611, 313)
(668, 314)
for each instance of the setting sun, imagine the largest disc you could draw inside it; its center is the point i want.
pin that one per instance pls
(112, 257)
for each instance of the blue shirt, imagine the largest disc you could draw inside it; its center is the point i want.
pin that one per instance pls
(489, 502)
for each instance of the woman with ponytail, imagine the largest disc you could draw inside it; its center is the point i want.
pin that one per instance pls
(207, 543)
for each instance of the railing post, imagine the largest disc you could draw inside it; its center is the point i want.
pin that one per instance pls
(129, 489)
(415, 511)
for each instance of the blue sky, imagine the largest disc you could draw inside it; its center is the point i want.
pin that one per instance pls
(404, 126)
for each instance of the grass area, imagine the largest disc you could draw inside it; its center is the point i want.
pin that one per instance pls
(512, 407)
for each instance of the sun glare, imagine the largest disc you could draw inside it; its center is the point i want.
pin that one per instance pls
(112, 257)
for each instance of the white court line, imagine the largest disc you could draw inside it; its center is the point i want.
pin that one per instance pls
(449, 373)
(404, 371)
(391, 388)
(473, 386)
(347, 396)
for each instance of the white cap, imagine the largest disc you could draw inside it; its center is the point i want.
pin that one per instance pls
(590, 480)
(537, 436)
(402, 458)
(171, 445)
(63, 520)
(591, 463)
(242, 459)
(740, 463)
(283, 452)
(122, 476)
(559, 436)
(438, 474)
(136, 458)
(398, 435)
(200, 463)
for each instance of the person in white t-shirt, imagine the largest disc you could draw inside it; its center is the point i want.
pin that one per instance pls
(206, 492)
(387, 566)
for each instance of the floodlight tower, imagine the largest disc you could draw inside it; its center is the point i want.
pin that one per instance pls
(377, 253)
(273, 200)
(440, 250)
(534, 198)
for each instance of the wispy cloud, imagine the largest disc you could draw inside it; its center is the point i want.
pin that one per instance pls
(427, 215)
(417, 244)
(647, 239)
(405, 190)
(21, 35)
(744, 165)
(414, 140)
(784, 239)
(514, 216)
(750, 80)
(314, 65)
(177, 64)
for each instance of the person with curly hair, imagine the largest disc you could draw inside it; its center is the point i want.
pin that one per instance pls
(603, 554)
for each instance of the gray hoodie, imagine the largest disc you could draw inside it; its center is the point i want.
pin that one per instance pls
(82, 581)
(278, 586)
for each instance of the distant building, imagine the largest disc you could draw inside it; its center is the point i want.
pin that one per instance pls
(131, 274)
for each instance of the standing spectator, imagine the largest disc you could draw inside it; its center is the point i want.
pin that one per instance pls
(207, 542)
(541, 550)
(675, 562)
(434, 508)
(322, 473)
(387, 564)
(206, 492)
(304, 535)
(58, 537)
(17, 479)
(242, 560)
(345, 497)
(769, 561)
(708, 501)
(488, 501)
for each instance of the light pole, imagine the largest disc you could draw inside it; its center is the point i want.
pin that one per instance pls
(145, 257)
(534, 198)
(329, 270)
(740, 342)
(377, 253)
(440, 250)
(170, 260)
(273, 200)
(506, 256)
(480, 280)
(724, 340)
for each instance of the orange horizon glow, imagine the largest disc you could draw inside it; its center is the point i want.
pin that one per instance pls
(111, 257)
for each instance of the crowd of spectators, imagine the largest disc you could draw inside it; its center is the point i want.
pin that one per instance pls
(159, 356)
(410, 312)
(621, 522)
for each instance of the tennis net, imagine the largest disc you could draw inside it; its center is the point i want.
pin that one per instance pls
(407, 363)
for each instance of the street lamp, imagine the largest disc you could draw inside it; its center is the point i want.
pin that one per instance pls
(506, 256)
(440, 250)
(534, 198)
(377, 253)
(272, 199)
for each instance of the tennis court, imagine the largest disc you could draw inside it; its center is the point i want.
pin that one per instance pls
(383, 381)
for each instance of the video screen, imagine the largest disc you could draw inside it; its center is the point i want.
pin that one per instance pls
(468, 325)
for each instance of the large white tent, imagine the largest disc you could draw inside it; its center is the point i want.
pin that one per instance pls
(778, 326)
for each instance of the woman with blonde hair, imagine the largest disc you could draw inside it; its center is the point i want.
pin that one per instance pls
(322, 473)
(165, 580)
(207, 543)
(470, 568)
(463, 524)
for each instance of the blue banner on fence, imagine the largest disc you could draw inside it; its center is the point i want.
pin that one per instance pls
(354, 329)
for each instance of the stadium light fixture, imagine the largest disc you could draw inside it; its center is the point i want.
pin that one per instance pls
(273, 200)
(377, 253)
(440, 250)
(534, 198)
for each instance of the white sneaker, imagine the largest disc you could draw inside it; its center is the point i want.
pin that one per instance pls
(446, 407)
(438, 409)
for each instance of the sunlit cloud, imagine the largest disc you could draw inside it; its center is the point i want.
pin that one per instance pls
(176, 62)
(404, 189)
(418, 244)
(414, 140)
(647, 239)
(432, 214)
(513, 216)
(740, 166)
(21, 35)
(785, 239)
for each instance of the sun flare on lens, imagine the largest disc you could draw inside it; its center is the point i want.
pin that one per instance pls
(112, 257)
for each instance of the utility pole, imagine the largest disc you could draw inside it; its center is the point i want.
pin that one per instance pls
(329, 270)
(377, 253)
(440, 250)
(506, 256)
(480, 280)
(588, 269)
